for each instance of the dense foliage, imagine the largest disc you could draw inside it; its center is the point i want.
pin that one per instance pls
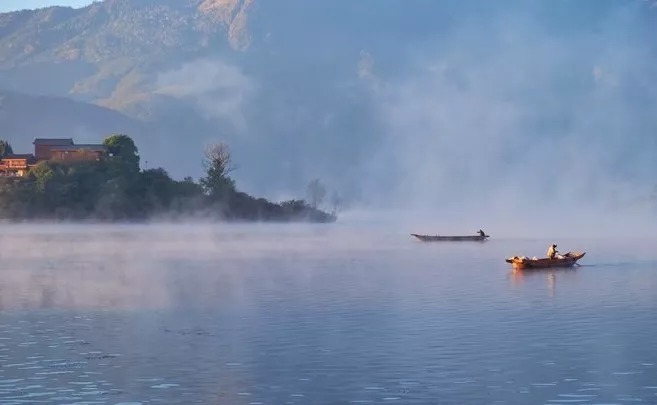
(115, 189)
(5, 149)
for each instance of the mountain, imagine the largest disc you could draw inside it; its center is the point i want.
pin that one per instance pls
(187, 68)
(411, 100)
(25, 117)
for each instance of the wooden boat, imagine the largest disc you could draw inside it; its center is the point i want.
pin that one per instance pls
(436, 238)
(567, 260)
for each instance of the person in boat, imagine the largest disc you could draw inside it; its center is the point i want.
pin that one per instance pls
(552, 251)
(481, 233)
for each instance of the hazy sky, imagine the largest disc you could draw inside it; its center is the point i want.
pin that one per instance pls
(10, 5)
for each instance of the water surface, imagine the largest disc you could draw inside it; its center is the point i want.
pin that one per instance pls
(249, 314)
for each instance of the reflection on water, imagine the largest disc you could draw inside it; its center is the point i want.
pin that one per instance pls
(549, 275)
(306, 314)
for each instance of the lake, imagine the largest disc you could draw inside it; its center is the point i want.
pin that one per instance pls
(318, 314)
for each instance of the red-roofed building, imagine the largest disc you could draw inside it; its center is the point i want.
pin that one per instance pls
(16, 164)
(60, 149)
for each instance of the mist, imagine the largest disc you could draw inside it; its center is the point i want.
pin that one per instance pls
(521, 122)
(522, 117)
(218, 89)
(127, 266)
(451, 116)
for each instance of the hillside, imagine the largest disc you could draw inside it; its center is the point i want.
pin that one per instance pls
(24, 117)
(196, 68)
(103, 52)
(377, 101)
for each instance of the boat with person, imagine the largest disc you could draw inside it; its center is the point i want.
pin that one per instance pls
(481, 236)
(566, 260)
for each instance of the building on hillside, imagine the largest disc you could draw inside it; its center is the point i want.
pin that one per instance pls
(59, 149)
(66, 149)
(43, 146)
(16, 165)
(77, 152)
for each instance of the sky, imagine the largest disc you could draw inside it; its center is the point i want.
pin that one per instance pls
(11, 5)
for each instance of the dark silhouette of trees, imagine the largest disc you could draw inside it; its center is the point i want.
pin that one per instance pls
(115, 189)
(5, 149)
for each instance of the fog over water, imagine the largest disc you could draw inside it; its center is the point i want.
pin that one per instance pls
(357, 313)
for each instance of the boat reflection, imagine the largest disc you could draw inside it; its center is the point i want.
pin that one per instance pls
(518, 277)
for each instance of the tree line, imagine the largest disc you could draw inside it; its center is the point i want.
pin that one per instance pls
(114, 188)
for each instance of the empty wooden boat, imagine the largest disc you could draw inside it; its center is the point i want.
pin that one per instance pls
(567, 260)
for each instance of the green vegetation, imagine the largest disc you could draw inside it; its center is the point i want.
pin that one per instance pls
(115, 189)
(5, 149)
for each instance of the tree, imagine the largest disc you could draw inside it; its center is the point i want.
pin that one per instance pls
(5, 149)
(218, 164)
(42, 173)
(316, 193)
(336, 202)
(122, 148)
